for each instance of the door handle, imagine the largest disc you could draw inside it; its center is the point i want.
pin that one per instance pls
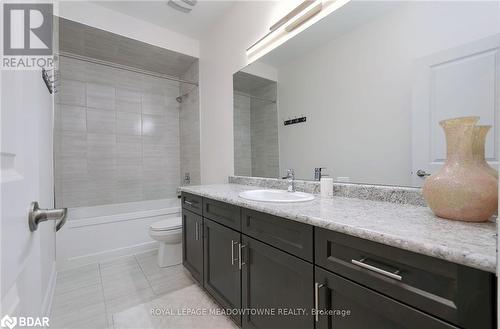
(240, 263)
(37, 215)
(233, 243)
(316, 299)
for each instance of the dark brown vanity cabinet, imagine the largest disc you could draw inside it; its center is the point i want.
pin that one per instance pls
(192, 243)
(278, 272)
(458, 294)
(221, 271)
(343, 304)
(274, 280)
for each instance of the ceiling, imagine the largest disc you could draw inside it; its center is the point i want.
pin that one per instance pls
(204, 14)
(84, 40)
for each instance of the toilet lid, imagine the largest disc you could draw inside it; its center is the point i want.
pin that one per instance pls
(167, 224)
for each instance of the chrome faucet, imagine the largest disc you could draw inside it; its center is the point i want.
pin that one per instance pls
(318, 174)
(290, 176)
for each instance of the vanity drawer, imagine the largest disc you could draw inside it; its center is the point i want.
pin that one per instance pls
(293, 237)
(191, 202)
(222, 213)
(458, 294)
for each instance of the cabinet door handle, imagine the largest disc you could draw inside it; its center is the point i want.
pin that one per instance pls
(393, 275)
(188, 202)
(240, 263)
(233, 243)
(196, 231)
(316, 299)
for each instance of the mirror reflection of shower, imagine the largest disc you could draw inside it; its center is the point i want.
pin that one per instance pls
(256, 148)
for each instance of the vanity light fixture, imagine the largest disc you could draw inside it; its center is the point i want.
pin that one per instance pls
(296, 21)
(184, 6)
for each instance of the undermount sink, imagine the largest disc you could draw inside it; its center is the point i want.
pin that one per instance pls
(276, 196)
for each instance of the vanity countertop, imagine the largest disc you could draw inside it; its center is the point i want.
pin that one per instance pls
(408, 227)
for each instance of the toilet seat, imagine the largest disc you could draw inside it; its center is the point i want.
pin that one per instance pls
(168, 224)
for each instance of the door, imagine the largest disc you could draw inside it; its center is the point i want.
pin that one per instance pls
(27, 258)
(461, 81)
(222, 278)
(273, 280)
(344, 304)
(192, 244)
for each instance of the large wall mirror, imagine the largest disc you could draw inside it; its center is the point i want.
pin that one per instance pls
(372, 79)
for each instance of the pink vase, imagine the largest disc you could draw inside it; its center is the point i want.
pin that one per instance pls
(478, 145)
(462, 189)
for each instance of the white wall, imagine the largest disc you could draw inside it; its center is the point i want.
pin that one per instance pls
(103, 18)
(356, 90)
(222, 53)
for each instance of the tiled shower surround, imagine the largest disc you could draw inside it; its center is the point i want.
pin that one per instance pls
(117, 135)
(256, 133)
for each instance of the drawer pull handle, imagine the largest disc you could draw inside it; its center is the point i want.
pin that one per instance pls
(233, 243)
(190, 203)
(393, 275)
(316, 299)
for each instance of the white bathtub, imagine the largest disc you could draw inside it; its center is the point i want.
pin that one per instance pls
(94, 234)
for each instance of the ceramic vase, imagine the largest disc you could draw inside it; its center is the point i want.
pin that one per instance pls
(462, 189)
(479, 143)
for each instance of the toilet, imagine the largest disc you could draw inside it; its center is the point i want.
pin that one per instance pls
(168, 232)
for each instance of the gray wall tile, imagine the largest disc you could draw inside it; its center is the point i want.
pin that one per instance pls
(73, 118)
(101, 121)
(73, 93)
(119, 134)
(100, 96)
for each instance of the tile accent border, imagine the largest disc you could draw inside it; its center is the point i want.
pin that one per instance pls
(394, 194)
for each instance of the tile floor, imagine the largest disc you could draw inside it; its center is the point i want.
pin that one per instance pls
(87, 297)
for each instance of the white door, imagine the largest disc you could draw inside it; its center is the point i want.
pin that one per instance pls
(462, 81)
(27, 258)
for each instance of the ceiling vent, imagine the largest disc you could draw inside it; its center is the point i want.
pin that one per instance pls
(184, 6)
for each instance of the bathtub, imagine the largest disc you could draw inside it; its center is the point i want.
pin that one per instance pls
(99, 233)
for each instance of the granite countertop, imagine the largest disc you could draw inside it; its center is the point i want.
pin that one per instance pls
(408, 227)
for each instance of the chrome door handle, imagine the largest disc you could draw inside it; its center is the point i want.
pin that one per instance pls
(37, 215)
(233, 243)
(422, 173)
(316, 299)
(196, 231)
(240, 263)
(188, 202)
(393, 275)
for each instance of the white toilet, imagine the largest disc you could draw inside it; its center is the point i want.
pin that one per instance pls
(168, 232)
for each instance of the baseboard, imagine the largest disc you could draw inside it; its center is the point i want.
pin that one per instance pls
(107, 255)
(49, 294)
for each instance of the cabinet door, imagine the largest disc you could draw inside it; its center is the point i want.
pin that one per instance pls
(222, 277)
(273, 280)
(344, 304)
(192, 244)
